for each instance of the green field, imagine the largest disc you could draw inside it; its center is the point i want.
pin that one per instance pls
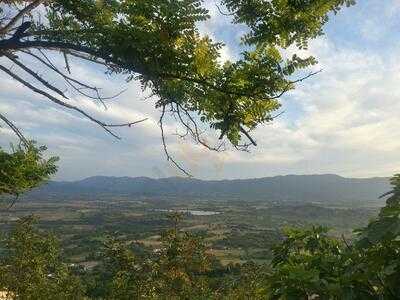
(241, 231)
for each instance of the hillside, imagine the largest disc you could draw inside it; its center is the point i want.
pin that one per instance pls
(302, 188)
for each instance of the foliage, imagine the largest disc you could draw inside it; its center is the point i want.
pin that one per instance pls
(32, 267)
(309, 263)
(182, 263)
(158, 43)
(284, 22)
(24, 168)
(126, 278)
(175, 271)
(387, 226)
(250, 282)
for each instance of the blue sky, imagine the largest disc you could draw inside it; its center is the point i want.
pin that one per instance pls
(344, 120)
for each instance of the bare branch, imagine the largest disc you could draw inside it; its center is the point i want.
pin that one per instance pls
(386, 194)
(13, 202)
(287, 88)
(20, 14)
(71, 81)
(50, 65)
(194, 131)
(12, 44)
(67, 105)
(277, 115)
(91, 59)
(35, 75)
(15, 129)
(169, 158)
(242, 130)
(130, 124)
(307, 76)
(223, 13)
(243, 147)
(66, 62)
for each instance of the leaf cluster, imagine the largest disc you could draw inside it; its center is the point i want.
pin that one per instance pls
(24, 168)
(32, 268)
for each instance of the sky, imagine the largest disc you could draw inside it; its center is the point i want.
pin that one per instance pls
(345, 120)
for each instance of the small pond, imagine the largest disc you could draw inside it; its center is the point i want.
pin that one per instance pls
(192, 212)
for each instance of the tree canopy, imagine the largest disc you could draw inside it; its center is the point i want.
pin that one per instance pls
(32, 267)
(24, 168)
(159, 44)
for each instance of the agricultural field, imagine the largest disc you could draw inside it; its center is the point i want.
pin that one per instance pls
(236, 231)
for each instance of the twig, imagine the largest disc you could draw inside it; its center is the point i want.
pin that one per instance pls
(169, 158)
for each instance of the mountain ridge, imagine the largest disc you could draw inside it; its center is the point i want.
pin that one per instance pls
(303, 188)
(232, 179)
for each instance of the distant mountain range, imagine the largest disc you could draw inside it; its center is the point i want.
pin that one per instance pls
(302, 188)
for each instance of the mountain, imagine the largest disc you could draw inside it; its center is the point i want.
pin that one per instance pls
(303, 188)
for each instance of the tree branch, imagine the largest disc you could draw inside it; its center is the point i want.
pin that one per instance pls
(286, 89)
(169, 158)
(20, 14)
(11, 44)
(50, 65)
(36, 76)
(242, 130)
(71, 81)
(67, 105)
(15, 129)
(194, 132)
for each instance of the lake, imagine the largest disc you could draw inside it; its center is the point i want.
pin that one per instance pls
(192, 212)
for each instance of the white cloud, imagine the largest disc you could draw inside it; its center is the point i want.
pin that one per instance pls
(351, 108)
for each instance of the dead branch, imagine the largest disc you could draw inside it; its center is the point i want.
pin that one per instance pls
(67, 67)
(223, 13)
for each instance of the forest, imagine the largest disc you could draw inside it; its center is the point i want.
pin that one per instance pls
(198, 243)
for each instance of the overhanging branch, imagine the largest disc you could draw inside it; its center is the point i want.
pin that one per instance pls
(69, 106)
(36, 76)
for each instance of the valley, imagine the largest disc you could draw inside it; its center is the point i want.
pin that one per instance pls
(236, 230)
